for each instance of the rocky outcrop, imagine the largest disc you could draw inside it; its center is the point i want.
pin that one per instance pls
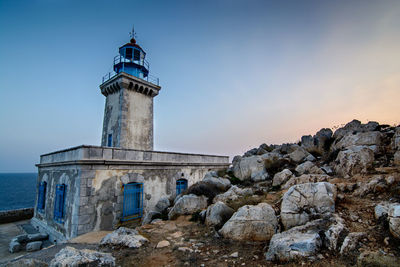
(188, 204)
(303, 202)
(282, 177)
(354, 160)
(318, 143)
(248, 167)
(253, 223)
(124, 237)
(394, 220)
(222, 184)
(162, 204)
(335, 234)
(305, 178)
(355, 126)
(372, 140)
(70, 256)
(299, 154)
(233, 194)
(217, 214)
(308, 168)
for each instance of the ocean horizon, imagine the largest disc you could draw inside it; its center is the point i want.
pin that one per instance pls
(17, 190)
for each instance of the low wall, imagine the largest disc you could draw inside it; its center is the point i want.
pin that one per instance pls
(8, 216)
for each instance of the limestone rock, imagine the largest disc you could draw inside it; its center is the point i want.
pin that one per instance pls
(253, 223)
(394, 220)
(319, 142)
(124, 237)
(162, 204)
(282, 177)
(296, 243)
(70, 256)
(355, 159)
(377, 183)
(335, 234)
(233, 194)
(37, 237)
(244, 168)
(34, 246)
(302, 202)
(27, 263)
(355, 126)
(299, 154)
(396, 157)
(308, 167)
(163, 244)
(259, 176)
(368, 139)
(217, 214)
(188, 204)
(221, 183)
(351, 242)
(396, 139)
(148, 216)
(381, 210)
(306, 178)
(14, 246)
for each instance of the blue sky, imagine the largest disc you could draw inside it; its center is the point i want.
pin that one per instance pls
(234, 74)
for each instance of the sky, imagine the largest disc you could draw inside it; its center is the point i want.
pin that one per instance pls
(234, 73)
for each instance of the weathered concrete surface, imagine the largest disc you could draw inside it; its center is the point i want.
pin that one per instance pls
(7, 232)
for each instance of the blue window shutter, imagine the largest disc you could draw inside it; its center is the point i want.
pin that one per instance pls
(41, 196)
(59, 202)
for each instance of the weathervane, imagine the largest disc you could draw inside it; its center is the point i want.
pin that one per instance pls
(132, 34)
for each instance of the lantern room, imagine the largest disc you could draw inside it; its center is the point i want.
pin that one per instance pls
(131, 60)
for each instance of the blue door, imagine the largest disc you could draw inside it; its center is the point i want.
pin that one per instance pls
(133, 201)
(181, 185)
(59, 203)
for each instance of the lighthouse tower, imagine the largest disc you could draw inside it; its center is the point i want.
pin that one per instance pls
(129, 92)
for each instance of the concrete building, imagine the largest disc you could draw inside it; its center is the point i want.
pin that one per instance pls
(90, 188)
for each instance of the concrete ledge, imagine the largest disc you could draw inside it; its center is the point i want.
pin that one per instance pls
(15, 215)
(54, 236)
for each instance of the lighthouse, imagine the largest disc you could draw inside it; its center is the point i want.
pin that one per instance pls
(129, 92)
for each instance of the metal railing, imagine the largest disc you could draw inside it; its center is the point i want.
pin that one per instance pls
(141, 62)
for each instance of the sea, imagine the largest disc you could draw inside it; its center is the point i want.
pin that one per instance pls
(17, 190)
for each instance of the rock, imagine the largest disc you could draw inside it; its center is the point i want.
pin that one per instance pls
(355, 126)
(253, 223)
(222, 184)
(299, 154)
(303, 202)
(37, 237)
(162, 204)
(373, 140)
(203, 215)
(351, 242)
(327, 169)
(381, 210)
(163, 244)
(234, 255)
(396, 157)
(377, 183)
(247, 167)
(34, 246)
(188, 204)
(310, 157)
(282, 177)
(354, 160)
(394, 220)
(335, 234)
(185, 249)
(70, 256)
(124, 237)
(308, 168)
(14, 246)
(298, 242)
(306, 178)
(148, 216)
(217, 214)
(27, 263)
(259, 176)
(233, 194)
(319, 143)
(156, 221)
(376, 259)
(251, 152)
(20, 238)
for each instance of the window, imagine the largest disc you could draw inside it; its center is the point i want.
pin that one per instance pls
(41, 196)
(133, 201)
(59, 203)
(109, 140)
(128, 53)
(181, 185)
(136, 55)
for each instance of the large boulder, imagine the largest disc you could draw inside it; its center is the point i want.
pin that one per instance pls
(233, 194)
(162, 204)
(70, 256)
(296, 243)
(308, 167)
(304, 202)
(372, 140)
(354, 160)
(298, 154)
(217, 214)
(247, 167)
(319, 142)
(282, 177)
(305, 178)
(355, 126)
(188, 204)
(124, 237)
(222, 184)
(394, 220)
(253, 223)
